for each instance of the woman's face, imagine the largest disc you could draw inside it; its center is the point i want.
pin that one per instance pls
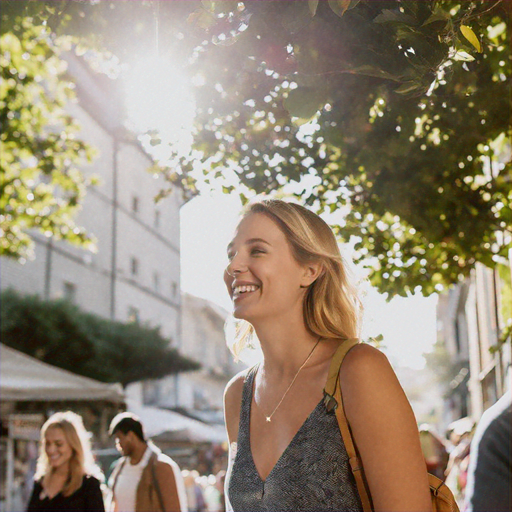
(263, 278)
(57, 447)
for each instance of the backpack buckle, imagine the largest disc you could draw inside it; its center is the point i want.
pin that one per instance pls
(329, 402)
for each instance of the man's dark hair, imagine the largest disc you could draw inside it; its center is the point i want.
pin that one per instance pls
(127, 422)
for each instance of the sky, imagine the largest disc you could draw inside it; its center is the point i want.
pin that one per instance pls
(207, 225)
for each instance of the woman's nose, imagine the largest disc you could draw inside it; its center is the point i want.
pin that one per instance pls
(236, 266)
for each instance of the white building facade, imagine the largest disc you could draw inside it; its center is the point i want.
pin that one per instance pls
(135, 273)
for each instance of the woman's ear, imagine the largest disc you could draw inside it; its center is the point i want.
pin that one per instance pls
(312, 272)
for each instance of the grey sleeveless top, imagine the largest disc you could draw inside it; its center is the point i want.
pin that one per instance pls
(313, 473)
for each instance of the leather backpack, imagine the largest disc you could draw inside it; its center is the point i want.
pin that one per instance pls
(441, 496)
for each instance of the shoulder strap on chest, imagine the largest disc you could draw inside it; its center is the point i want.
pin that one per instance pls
(333, 400)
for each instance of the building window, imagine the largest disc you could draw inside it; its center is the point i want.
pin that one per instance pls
(156, 224)
(69, 291)
(134, 266)
(133, 315)
(135, 204)
(156, 282)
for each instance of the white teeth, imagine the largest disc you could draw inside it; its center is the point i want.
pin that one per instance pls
(244, 288)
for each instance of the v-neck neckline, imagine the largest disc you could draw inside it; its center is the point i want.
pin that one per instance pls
(292, 441)
(46, 496)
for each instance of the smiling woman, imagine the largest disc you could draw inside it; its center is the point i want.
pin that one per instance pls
(158, 98)
(67, 478)
(289, 283)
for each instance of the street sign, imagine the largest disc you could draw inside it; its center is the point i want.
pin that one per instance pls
(26, 427)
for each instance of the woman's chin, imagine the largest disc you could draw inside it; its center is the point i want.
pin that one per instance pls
(241, 313)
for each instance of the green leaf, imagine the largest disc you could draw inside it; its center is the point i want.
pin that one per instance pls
(339, 7)
(373, 71)
(396, 16)
(304, 102)
(408, 87)
(438, 15)
(471, 37)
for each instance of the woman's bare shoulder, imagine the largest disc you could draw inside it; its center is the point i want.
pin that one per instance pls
(367, 379)
(365, 361)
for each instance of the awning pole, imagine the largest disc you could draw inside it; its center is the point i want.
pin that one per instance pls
(10, 474)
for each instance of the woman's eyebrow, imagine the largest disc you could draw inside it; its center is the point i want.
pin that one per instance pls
(256, 240)
(250, 241)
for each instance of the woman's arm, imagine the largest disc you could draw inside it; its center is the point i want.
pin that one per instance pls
(232, 405)
(385, 432)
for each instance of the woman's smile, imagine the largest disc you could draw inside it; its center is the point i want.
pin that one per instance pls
(241, 291)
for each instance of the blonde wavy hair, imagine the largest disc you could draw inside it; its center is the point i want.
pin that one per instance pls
(332, 308)
(82, 460)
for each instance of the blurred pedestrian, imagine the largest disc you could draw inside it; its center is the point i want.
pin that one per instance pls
(434, 451)
(195, 497)
(66, 479)
(489, 484)
(144, 479)
(458, 462)
(220, 478)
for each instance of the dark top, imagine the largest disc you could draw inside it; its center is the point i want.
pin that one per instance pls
(86, 499)
(489, 486)
(313, 473)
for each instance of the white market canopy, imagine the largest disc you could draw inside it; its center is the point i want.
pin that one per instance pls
(162, 424)
(24, 378)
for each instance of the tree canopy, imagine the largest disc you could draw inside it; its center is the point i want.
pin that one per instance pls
(396, 112)
(42, 185)
(59, 333)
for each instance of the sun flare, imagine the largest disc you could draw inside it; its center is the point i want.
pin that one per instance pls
(158, 98)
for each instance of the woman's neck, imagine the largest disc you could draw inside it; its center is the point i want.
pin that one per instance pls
(284, 345)
(61, 471)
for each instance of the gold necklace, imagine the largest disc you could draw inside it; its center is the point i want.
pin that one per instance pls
(269, 418)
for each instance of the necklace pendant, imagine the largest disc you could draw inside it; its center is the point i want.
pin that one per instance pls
(268, 419)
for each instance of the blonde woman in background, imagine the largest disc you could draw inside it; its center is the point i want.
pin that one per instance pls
(289, 284)
(66, 479)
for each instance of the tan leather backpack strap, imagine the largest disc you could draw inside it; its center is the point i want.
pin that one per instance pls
(333, 399)
(334, 369)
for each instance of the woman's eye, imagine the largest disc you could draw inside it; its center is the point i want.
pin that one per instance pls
(257, 251)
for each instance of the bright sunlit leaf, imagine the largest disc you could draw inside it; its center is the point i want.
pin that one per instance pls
(471, 37)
